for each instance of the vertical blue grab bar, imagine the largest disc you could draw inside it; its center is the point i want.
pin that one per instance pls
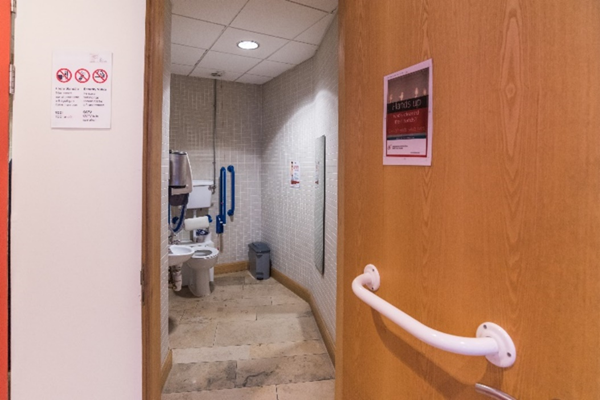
(222, 200)
(232, 209)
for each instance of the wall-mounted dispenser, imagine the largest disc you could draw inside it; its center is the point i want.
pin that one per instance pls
(180, 177)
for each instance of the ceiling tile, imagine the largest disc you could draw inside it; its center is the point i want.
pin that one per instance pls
(206, 73)
(228, 41)
(191, 32)
(270, 68)
(185, 55)
(219, 12)
(315, 33)
(253, 79)
(227, 62)
(294, 53)
(181, 69)
(325, 5)
(277, 18)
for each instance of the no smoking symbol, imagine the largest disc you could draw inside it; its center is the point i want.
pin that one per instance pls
(63, 75)
(100, 76)
(82, 75)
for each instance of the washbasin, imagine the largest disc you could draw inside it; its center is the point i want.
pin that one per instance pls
(179, 254)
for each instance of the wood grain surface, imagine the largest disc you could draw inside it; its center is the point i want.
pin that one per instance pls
(505, 224)
(151, 202)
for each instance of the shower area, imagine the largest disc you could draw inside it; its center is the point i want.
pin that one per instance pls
(262, 124)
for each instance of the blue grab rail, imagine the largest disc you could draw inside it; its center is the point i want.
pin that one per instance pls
(221, 220)
(232, 209)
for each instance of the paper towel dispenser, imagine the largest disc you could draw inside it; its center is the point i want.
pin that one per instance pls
(180, 177)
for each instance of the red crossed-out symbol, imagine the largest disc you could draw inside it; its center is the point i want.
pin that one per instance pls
(63, 75)
(82, 75)
(100, 76)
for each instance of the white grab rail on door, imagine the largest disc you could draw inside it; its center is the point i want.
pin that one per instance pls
(491, 340)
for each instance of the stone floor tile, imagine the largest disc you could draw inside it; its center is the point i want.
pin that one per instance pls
(281, 370)
(321, 390)
(271, 350)
(250, 280)
(252, 291)
(229, 279)
(176, 314)
(224, 293)
(182, 303)
(210, 354)
(241, 302)
(233, 333)
(258, 393)
(193, 335)
(294, 310)
(217, 310)
(278, 293)
(202, 376)
(260, 330)
(286, 298)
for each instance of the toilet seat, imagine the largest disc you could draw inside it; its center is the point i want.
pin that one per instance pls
(205, 253)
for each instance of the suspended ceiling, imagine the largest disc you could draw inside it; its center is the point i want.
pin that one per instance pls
(205, 34)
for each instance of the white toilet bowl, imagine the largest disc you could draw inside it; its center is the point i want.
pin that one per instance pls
(204, 258)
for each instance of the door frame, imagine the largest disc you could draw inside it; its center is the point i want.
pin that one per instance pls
(151, 201)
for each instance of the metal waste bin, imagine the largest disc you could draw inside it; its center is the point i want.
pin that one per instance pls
(259, 260)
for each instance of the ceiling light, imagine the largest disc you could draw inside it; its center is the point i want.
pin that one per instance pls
(248, 45)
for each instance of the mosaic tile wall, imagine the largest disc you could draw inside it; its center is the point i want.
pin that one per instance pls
(238, 132)
(299, 106)
(323, 287)
(164, 235)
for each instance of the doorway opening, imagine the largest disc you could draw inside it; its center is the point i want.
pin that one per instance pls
(298, 96)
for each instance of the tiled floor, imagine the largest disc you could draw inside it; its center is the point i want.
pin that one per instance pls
(248, 340)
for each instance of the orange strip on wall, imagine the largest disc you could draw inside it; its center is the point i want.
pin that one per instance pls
(5, 23)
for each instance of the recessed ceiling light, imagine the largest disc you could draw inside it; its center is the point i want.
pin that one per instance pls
(248, 45)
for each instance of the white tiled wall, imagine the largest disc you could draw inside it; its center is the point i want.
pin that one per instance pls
(164, 236)
(289, 135)
(323, 287)
(299, 106)
(238, 133)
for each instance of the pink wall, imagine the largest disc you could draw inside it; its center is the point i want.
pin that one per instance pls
(76, 216)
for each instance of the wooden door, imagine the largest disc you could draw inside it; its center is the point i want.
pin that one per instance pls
(505, 224)
(5, 31)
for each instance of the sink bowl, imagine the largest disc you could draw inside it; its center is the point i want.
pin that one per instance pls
(179, 254)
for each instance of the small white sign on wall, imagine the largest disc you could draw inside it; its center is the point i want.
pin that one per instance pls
(294, 174)
(81, 90)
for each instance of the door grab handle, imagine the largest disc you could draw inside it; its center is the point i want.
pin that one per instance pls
(491, 340)
(492, 393)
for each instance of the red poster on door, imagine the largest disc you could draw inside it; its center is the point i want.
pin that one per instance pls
(407, 116)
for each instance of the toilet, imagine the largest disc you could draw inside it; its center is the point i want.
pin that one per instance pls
(204, 259)
(201, 265)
